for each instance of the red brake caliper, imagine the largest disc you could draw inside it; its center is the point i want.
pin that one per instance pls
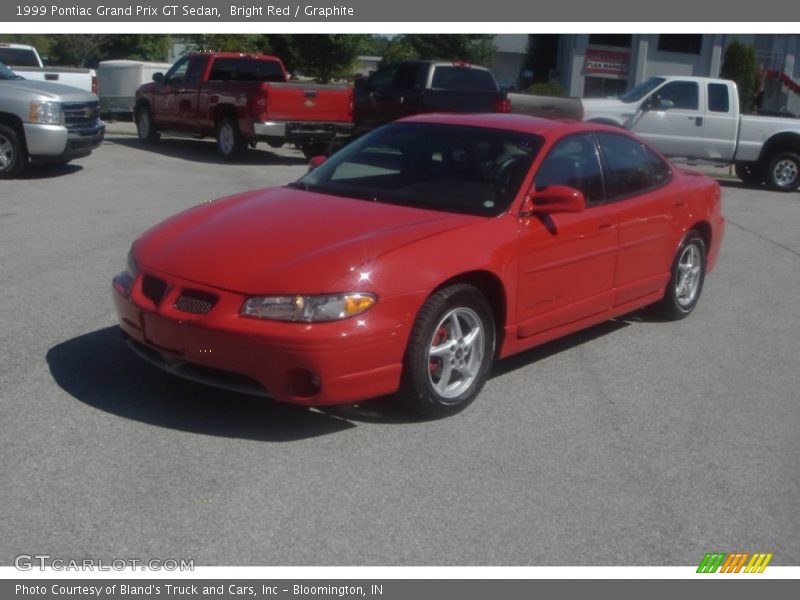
(440, 336)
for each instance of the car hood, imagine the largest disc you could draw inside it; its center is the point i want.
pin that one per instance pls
(283, 240)
(48, 90)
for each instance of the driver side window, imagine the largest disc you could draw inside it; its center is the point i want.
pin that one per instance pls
(573, 162)
(178, 71)
(682, 94)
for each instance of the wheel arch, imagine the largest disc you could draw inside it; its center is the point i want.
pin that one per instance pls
(492, 287)
(222, 111)
(787, 141)
(705, 231)
(15, 123)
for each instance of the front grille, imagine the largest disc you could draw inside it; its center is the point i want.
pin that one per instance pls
(154, 288)
(195, 301)
(81, 115)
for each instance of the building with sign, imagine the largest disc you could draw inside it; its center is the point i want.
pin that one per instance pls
(601, 65)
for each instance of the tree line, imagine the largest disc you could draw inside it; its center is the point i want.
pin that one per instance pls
(322, 56)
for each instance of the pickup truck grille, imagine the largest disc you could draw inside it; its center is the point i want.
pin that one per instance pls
(81, 115)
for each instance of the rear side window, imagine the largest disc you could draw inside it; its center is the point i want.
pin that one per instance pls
(245, 69)
(573, 162)
(718, 98)
(632, 167)
(463, 78)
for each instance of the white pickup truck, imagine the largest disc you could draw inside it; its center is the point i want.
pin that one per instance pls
(698, 119)
(26, 62)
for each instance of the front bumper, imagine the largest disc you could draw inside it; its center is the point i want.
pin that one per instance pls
(302, 131)
(350, 360)
(59, 143)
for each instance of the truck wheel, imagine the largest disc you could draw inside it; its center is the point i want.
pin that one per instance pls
(450, 352)
(313, 149)
(229, 139)
(749, 173)
(144, 126)
(783, 172)
(13, 157)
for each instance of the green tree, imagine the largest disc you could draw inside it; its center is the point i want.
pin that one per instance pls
(137, 46)
(327, 56)
(474, 48)
(78, 50)
(740, 65)
(229, 42)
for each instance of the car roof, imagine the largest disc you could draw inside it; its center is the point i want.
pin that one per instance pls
(512, 122)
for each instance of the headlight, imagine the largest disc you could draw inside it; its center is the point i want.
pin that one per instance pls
(47, 113)
(309, 309)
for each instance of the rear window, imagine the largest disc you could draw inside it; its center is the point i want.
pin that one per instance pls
(463, 78)
(718, 97)
(18, 57)
(245, 69)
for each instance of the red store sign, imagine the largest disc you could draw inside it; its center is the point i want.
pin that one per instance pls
(607, 61)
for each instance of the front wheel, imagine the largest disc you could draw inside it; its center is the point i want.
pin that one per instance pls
(783, 172)
(145, 127)
(450, 352)
(13, 157)
(686, 280)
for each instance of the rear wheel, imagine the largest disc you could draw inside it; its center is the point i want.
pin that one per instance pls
(312, 149)
(783, 171)
(145, 127)
(13, 157)
(686, 281)
(450, 352)
(749, 172)
(230, 143)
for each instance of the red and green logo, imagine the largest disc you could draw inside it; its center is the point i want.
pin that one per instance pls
(734, 562)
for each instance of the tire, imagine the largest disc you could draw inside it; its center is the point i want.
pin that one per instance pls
(782, 171)
(749, 172)
(230, 143)
(13, 156)
(313, 149)
(145, 128)
(466, 364)
(682, 294)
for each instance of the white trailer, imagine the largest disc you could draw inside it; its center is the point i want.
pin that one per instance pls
(119, 80)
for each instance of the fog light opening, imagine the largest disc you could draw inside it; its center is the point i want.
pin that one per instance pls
(303, 383)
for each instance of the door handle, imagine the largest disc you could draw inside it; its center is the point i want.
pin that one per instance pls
(605, 226)
(698, 121)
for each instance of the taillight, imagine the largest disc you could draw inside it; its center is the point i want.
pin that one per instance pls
(501, 105)
(350, 106)
(94, 84)
(260, 103)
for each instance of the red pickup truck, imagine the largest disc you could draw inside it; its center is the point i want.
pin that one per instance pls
(242, 99)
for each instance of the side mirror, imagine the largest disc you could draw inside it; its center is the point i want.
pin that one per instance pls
(158, 77)
(315, 162)
(553, 199)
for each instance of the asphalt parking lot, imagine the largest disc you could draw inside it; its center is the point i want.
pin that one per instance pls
(633, 443)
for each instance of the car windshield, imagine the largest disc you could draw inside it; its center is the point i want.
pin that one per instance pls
(472, 170)
(641, 90)
(6, 73)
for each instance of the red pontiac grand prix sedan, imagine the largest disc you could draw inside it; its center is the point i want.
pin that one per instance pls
(411, 259)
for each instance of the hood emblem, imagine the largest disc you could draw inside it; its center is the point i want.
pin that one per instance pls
(310, 104)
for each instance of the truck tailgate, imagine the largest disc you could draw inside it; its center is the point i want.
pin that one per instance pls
(468, 101)
(309, 102)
